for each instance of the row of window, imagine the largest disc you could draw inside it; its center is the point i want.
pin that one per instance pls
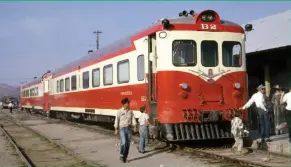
(123, 76)
(185, 53)
(30, 92)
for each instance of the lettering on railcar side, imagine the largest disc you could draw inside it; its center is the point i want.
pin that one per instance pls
(126, 93)
(143, 98)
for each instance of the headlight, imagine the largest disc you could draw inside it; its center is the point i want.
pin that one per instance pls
(184, 85)
(237, 85)
(208, 17)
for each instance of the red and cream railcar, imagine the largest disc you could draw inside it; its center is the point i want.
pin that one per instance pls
(35, 95)
(190, 71)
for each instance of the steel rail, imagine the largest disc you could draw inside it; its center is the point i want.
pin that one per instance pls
(22, 155)
(61, 146)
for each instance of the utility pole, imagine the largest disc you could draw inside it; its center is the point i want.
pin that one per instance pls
(97, 38)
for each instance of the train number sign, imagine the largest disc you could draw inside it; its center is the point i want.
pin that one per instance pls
(208, 26)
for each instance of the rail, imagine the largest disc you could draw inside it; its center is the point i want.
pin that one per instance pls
(64, 148)
(22, 155)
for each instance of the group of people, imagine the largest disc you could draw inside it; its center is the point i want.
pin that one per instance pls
(125, 119)
(264, 111)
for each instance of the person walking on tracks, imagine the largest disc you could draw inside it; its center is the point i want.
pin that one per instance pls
(259, 100)
(10, 106)
(143, 129)
(286, 98)
(237, 130)
(123, 121)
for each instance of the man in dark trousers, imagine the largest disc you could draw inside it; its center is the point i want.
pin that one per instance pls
(260, 101)
(286, 98)
(123, 121)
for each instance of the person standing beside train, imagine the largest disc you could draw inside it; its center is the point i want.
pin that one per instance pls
(259, 99)
(237, 130)
(286, 98)
(278, 109)
(10, 106)
(123, 121)
(143, 129)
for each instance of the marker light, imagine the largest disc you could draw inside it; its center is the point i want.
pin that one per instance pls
(237, 85)
(184, 85)
(208, 17)
(165, 23)
(248, 27)
(185, 13)
(192, 12)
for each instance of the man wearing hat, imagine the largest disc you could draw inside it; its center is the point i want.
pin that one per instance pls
(123, 121)
(286, 98)
(259, 100)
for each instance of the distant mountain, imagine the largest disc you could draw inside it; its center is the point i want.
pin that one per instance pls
(8, 90)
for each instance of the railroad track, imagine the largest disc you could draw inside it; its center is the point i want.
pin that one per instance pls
(35, 149)
(221, 154)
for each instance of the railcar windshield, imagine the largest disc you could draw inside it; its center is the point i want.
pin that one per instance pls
(209, 53)
(184, 53)
(231, 54)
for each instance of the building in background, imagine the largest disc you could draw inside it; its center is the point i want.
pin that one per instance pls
(268, 49)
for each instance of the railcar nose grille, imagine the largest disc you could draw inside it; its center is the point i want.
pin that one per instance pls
(199, 132)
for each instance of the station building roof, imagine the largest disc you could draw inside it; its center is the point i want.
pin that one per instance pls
(269, 33)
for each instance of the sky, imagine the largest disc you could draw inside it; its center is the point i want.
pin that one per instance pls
(40, 36)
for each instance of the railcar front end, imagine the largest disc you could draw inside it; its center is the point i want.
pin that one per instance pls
(201, 77)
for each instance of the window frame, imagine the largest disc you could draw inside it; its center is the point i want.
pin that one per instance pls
(88, 86)
(71, 78)
(217, 51)
(118, 63)
(94, 70)
(195, 52)
(62, 83)
(241, 58)
(67, 80)
(107, 66)
(143, 76)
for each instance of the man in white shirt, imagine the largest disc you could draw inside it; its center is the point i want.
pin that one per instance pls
(286, 98)
(10, 106)
(1, 106)
(263, 113)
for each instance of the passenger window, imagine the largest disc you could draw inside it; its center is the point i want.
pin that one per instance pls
(58, 86)
(123, 71)
(209, 53)
(184, 53)
(108, 75)
(67, 84)
(73, 82)
(231, 54)
(61, 85)
(86, 80)
(140, 68)
(96, 77)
